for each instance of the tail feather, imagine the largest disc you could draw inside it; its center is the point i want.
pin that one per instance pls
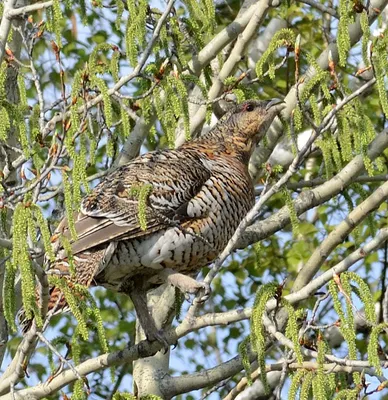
(23, 322)
(86, 265)
(56, 301)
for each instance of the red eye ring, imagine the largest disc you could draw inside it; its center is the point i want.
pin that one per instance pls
(249, 107)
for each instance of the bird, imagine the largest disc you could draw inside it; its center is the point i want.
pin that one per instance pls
(163, 216)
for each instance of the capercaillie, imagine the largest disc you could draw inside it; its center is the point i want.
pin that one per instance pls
(197, 196)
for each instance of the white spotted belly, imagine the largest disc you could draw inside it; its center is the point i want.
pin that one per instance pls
(176, 248)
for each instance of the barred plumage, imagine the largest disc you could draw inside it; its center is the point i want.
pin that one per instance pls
(199, 193)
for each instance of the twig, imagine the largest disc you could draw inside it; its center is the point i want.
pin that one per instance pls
(49, 165)
(35, 78)
(3, 321)
(142, 96)
(342, 362)
(321, 7)
(215, 388)
(277, 66)
(58, 354)
(283, 377)
(55, 190)
(325, 124)
(350, 367)
(319, 181)
(310, 324)
(344, 265)
(200, 102)
(123, 80)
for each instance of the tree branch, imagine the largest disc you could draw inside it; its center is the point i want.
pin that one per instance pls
(338, 235)
(259, 13)
(29, 9)
(319, 181)
(222, 39)
(5, 26)
(312, 198)
(342, 266)
(256, 390)
(321, 7)
(355, 32)
(133, 143)
(5, 243)
(123, 80)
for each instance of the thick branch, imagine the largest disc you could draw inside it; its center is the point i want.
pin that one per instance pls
(222, 39)
(338, 235)
(5, 26)
(5, 243)
(133, 143)
(29, 9)
(257, 17)
(312, 198)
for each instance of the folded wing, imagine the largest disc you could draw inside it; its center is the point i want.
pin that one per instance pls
(111, 211)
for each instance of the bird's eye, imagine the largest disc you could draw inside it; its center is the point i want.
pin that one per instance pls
(249, 107)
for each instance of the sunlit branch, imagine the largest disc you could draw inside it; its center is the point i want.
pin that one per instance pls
(29, 9)
(338, 234)
(5, 26)
(314, 197)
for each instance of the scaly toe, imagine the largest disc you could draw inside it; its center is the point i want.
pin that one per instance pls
(162, 340)
(205, 288)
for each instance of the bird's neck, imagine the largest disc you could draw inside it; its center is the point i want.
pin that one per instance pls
(222, 144)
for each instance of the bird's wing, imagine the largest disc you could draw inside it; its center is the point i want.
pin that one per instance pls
(169, 180)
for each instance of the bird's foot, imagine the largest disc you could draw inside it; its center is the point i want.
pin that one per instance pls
(153, 335)
(188, 285)
(146, 321)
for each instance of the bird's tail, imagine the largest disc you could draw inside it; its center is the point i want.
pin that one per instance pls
(85, 265)
(56, 303)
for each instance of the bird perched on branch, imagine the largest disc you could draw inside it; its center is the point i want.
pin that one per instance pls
(163, 216)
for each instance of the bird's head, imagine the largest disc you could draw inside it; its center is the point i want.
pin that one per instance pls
(249, 121)
(245, 125)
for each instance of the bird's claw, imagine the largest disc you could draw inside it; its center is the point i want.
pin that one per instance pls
(205, 288)
(159, 337)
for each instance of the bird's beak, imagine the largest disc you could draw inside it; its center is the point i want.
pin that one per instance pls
(280, 105)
